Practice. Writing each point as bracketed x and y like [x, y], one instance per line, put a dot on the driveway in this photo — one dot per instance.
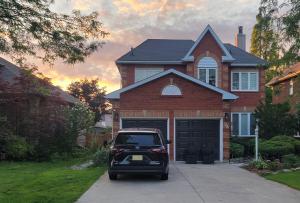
[192, 183]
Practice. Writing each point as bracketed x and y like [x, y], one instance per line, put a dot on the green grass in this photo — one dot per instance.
[44, 182]
[291, 179]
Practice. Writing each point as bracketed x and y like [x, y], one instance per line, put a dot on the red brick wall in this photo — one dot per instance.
[149, 96]
[281, 93]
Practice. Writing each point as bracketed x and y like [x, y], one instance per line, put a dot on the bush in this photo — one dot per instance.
[248, 143]
[101, 157]
[259, 164]
[16, 148]
[297, 148]
[274, 165]
[288, 139]
[272, 149]
[291, 161]
[236, 150]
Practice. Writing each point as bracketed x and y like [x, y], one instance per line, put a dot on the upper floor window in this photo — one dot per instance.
[171, 90]
[143, 73]
[207, 70]
[244, 81]
[291, 90]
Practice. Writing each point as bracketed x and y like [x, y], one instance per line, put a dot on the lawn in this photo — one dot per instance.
[291, 179]
[45, 182]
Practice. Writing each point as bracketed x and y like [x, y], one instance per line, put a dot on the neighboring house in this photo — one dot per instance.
[106, 121]
[19, 100]
[286, 87]
[191, 90]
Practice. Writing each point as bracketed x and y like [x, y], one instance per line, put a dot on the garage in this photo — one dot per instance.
[200, 133]
[161, 124]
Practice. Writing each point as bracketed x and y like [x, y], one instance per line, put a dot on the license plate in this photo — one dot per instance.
[137, 157]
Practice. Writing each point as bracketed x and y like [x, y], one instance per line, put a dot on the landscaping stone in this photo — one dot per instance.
[82, 166]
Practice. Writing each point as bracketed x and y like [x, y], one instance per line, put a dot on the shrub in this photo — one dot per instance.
[291, 161]
[248, 143]
[288, 139]
[259, 164]
[271, 149]
[236, 150]
[101, 157]
[297, 148]
[16, 148]
[274, 165]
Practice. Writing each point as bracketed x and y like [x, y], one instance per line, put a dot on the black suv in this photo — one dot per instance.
[139, 150]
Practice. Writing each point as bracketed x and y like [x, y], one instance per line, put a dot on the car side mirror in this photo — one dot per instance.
[168, 142]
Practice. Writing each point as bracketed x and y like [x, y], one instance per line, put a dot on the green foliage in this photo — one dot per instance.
[272, 149]
[15, 147]
[78, 119]
[89, 92]
[291, 161]
[236, 150]
[248, 143]
[288, 139]
[275, 119]
[259, 164]
[101, 157]
[32, 28]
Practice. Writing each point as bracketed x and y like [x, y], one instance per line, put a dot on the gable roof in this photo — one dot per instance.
[243, 58]
[226, 58]
[158, 50]
[291, 72]
[175, 51]
[225, 95]
[9, 72]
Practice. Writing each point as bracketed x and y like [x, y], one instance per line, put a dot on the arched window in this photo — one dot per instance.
[207, 70]
[171, 90]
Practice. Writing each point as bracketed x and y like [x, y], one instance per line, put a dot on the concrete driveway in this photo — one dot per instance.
[192, 183]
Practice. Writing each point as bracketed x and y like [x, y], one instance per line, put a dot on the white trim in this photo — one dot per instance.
[240, 83]
[221, 150]
[247, 64]
[151, 118]
[207, 74]
[226, 58]
[221, 139]
[226, 95]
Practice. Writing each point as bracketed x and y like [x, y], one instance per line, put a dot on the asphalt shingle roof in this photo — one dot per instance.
[174, 50]
[9, 72]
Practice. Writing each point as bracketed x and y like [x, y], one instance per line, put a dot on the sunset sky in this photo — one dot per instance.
[132, 21]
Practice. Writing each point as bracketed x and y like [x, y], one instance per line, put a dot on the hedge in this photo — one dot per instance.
[236, 150]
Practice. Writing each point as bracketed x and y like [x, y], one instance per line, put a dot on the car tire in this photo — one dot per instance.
[112, 176]
[164, 176]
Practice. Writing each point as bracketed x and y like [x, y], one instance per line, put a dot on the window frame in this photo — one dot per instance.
[161, 69]
[207, 74]
[240, 83]
[291, 88]
[240, 124]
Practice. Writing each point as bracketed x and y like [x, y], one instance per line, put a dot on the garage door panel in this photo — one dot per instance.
[201, 133]
[160, 124]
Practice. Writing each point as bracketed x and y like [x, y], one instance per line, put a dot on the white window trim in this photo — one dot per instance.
[240, 84]
[240, 123]
[207, 74]
[171, 90]
[161, 69]
[291, 89]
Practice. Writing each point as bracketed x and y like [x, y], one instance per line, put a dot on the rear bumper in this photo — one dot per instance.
[138, 169]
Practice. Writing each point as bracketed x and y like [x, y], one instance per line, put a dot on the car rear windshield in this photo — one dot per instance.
[138, 139]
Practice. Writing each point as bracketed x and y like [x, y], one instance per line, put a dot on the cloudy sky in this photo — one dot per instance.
[132, 21]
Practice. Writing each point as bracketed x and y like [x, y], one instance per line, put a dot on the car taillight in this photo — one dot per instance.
[116, 150]
[159, 150]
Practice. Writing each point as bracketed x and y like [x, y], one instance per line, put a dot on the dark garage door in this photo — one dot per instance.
[199, 133]
[147, 123]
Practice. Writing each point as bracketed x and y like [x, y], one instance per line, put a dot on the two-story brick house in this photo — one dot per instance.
[194, 91]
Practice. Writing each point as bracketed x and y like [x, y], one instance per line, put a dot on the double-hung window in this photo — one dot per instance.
[207, 70]
[244, 81]
[243, 124]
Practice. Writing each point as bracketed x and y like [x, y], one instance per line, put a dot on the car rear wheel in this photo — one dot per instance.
[164, 176]
[112, 176]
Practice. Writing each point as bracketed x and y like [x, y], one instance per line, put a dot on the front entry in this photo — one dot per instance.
[199, 133]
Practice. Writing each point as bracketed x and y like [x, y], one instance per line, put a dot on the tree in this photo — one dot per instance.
[89, 92]
[276, 35]
[30, 28]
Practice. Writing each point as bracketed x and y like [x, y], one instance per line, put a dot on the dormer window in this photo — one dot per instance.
[171, 90]
[207, 70]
